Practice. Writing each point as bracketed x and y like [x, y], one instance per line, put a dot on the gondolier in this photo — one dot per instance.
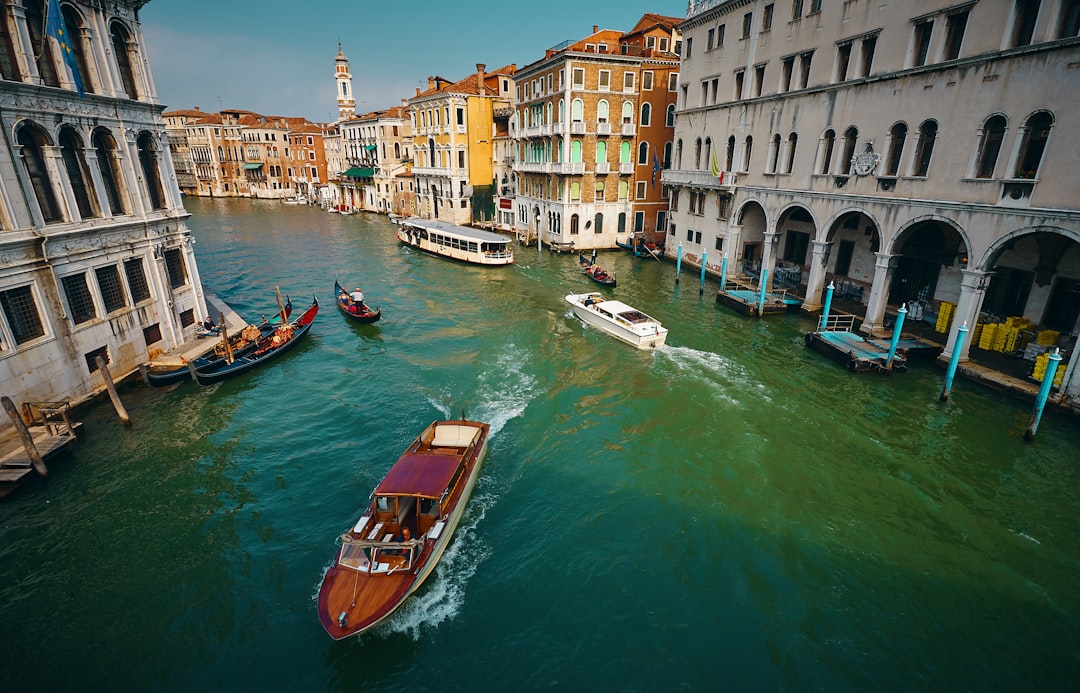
[357, 295]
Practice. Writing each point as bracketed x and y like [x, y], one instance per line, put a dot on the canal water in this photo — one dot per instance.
[731, 512]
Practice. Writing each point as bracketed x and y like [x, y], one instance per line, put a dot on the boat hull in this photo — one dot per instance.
[645, 335]
[353, 600]
[342, 298]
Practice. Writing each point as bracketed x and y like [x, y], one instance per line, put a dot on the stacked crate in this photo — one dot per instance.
[989, 335]
[945, 316]
[1047, 338]
[1039, 373]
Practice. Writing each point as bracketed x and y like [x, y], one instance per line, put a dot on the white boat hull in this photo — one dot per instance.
[642, 333]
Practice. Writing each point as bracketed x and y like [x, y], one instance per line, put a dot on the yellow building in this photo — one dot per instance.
[454, 125]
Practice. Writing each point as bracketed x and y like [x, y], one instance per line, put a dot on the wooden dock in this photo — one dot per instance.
[746, 299]
[49, 432]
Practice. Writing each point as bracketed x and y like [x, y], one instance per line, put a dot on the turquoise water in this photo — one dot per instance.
[732, 512]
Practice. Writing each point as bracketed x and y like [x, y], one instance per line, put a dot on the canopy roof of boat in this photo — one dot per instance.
[453, 229]
[424, 474]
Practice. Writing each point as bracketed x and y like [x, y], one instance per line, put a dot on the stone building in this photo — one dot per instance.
[592, 127]
[910, 154]
[454, 125]
[95, 256]
[378, 147]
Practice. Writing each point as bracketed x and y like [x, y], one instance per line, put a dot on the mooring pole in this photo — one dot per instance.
[111, 387]
[678, 263]
[1044, 392]
[704, 256]
[828, 305]
[961, 332]
[723, 272]
[761, 294]
[900, 315]
[24, 435]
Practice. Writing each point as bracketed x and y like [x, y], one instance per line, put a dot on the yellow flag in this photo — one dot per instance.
[713, 167]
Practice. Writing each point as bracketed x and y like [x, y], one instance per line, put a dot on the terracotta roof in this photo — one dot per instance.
[185, 112]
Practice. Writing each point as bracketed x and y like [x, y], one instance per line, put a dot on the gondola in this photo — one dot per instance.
[277, 342]
[358, 313]
[242, 343]
[596, 273]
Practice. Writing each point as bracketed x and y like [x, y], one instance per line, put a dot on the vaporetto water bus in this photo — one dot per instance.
[456, 242]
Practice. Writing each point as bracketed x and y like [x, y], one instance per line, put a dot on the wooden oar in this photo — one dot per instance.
[281, 306]
[225, 338]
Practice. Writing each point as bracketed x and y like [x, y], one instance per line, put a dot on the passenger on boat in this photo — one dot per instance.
[590, 301]
[207, 323]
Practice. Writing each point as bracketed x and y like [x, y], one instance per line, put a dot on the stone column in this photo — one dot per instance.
[972, 290]
[816, 281]
[768, 257]
[879, 294]
[733, 248]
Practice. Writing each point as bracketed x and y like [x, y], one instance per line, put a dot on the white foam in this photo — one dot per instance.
[722, 375]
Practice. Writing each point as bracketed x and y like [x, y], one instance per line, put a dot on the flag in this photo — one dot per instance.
[655, 169]
[55, 27]
[714, 168]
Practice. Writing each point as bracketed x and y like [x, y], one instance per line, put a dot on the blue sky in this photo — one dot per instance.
[276, 57]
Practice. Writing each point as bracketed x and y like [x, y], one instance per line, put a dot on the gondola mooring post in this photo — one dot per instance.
[961, 332]
[723, 272]
[900, 315]
[704, 255]
[828, 305]
[761, 294]
[1044, 392]
[678, 263]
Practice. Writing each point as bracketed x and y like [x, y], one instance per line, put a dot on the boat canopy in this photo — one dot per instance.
[424, 474]
[438, 226]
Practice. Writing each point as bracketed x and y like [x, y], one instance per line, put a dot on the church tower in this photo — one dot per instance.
[345, 103]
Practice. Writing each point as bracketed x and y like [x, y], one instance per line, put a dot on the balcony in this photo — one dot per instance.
[568, 168]
[726, 180]
[625, 168]
[545, 130]
[577, 128]
[532, 166]
[427, 171]
[603, 167]
[603, 128]
[532, 131]
[629, 130]
[558, 128]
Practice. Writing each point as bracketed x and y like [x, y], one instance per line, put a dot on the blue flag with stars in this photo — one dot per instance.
[55, 27]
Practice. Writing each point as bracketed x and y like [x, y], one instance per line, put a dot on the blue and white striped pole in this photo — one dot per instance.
[900, 315]
[961, 332]
[704, 256]
[828, 305]
[761, 294]
[1044, 393]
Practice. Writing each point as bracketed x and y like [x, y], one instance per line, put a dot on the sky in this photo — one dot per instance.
[276, 57]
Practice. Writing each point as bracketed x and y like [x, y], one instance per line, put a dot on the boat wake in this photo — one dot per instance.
[724, 378]
[504, 391]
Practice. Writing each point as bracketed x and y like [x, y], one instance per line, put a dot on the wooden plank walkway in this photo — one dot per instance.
[15, 464]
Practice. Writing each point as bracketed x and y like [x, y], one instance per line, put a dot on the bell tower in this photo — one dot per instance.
[345, 103]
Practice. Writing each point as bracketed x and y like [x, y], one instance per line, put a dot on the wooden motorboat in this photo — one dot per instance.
[279, 340]
[241, 344]
[596, 273]
[359, 312]
[621, 321]
[404, 529]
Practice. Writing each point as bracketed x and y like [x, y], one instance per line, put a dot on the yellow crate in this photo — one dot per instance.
[1047, 337]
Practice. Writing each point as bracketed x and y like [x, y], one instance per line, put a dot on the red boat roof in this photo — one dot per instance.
[425, 474]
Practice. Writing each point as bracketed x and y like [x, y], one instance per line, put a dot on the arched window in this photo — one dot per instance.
[624, 152]
[678, 154]
[43, 50]
[1036, 132]
[151, 170]
[599, 190]
[666, 163]
[897, 137]
[598, 223]
[431, 153]
[707, 158]
[33, 141]
[121, 40]
[71, 151]
[670, 120]
[990, 139]
[602, 111]
[220, 153]
[792, 143]
[646, 114]
[109, 165]
[601, 151]
[573, 224]
[577, 110]
[643, 153]
[851, 137]
[774, 154]
[562, 110]
[729, 155]
[627, 112]
[697, 154]
[828, 143]
[748, 149]
[925, 149]
[75, 26]
[575, 151]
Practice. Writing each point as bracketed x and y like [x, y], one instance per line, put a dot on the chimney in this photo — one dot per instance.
[595, 28]
[430, 82]
[480, 78]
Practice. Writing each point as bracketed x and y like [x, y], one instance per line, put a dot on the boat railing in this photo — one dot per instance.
[839, 323]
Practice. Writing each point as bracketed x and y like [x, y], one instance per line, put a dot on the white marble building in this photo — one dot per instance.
[95, 257]
[911, 152]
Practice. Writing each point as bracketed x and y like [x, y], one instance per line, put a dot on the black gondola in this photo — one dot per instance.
[596, 273]
[359, 312]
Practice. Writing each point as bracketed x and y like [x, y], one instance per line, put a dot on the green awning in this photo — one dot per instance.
[369, 147]
[357, 172]
[251, 166]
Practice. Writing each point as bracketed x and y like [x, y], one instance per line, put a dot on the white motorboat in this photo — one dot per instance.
[621, 321]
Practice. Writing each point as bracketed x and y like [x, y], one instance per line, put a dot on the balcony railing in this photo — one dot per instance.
[603, 167]
[627, 167]
[577, 128]
[628, 129]
[603, 128]
[725, 180]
